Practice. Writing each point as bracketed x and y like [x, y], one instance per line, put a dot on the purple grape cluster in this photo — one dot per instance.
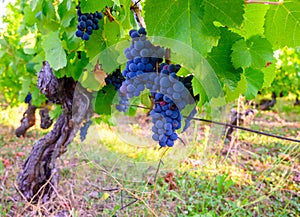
[87, 22]
[116, 79]
[166, 119]
[145, 70]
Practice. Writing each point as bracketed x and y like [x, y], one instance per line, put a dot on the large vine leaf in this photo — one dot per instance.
[269, 74]
[183, 21]
[219, 59]
[88, 6]
[254, 52]
[282, 26]
[228, 13]
[53, 48]
[241, 88]
[96, 43]
[103, 101]
[254, 20]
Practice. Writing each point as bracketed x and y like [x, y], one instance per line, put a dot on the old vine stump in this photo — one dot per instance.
[40, 175]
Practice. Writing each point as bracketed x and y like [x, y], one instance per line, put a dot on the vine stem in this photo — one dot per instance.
[263, 2]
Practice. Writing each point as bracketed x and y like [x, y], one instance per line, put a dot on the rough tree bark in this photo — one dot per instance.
[40, 175]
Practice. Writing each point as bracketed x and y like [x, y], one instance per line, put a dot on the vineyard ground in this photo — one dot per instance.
[255, 176]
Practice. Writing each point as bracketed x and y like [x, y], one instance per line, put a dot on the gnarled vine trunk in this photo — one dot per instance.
[40, 174]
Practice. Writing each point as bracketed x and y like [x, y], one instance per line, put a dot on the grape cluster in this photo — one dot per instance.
[145, 70]
[166, 118]
[87, 22]
[116, 79]
[84, 130]
[28, 98]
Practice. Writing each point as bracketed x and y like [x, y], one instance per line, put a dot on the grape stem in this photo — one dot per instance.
[263, 2]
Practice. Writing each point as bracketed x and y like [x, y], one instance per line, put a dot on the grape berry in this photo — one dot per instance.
[28, 98]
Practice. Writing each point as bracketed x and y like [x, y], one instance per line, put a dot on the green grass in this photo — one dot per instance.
[255, 176]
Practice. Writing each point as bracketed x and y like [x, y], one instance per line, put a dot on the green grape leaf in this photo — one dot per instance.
[70, 42]
[183, 21]
[255, 80]
[240, 89]
[228, 13]
[282, 26]
[117, 2]
[33, 4]
[89, 6]
[29, 16]
[53, 48]
[66, 20]
[269, 74]
[125, 14]
[69, 4]
[198, 89]
[37, 97]
[219, 59]
[96, 43]
[48, 10]
[255, 52]
[26, 82]
[75, 67]
[104, 99]
[254, 20]
[111, 33]
[145, 100]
